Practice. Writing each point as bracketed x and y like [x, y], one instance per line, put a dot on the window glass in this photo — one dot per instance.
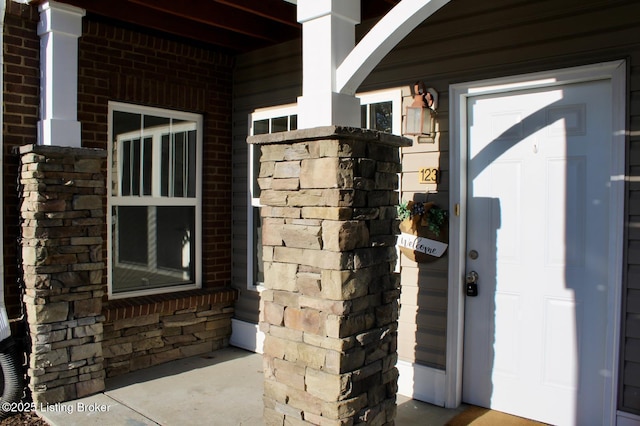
[258, 264]
[154, 200]
[277, 123]
[382, 116]
[378, 116]
[153, 247]
[255, 187]
[175, 229]
[147, 165]
[132, 235]
[124, 171]
[178, 164]
[261, 127]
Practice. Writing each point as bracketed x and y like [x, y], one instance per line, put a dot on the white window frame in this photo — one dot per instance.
[195, 122]
[253, 201]
[392, 95]
[367, 98]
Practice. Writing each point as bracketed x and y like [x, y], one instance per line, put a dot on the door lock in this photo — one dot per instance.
[472, 284]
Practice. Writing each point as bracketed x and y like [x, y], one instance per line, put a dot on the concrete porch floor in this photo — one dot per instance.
[222, 388]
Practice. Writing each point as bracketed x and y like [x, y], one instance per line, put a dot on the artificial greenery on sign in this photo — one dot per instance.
[403, 211]
[436, 217]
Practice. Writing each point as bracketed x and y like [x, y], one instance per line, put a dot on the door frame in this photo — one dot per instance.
[616, 72]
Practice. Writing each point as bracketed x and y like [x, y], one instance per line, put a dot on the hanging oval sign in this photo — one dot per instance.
[420, 242]
[422, 245]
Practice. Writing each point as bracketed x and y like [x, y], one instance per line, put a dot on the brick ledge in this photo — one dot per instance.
[168, 302]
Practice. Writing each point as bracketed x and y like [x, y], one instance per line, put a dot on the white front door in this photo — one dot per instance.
[538, 236]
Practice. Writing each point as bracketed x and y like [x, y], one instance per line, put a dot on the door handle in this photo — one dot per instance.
[472, 283]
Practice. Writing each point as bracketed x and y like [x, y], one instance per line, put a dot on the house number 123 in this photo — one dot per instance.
[428, 175]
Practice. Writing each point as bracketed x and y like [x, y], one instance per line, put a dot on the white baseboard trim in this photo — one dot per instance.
[422, 383]
[627, 419]
[246, 335]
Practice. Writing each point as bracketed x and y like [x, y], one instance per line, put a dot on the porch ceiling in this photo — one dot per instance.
[238, 25]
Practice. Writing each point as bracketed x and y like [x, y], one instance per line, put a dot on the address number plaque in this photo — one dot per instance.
[428, 175]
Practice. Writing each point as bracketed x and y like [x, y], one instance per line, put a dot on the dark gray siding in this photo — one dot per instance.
[471, 40]
[267, 78]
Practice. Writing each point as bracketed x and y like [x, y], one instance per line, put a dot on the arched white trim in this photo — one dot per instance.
[333, 67]
[379, 41]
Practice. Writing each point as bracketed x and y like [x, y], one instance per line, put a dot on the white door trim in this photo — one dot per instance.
[459, 93]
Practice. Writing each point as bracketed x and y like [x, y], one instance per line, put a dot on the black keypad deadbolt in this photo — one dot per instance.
[472, 284]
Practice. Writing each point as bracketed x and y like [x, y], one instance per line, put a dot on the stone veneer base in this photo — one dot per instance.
[62, 219]
[330, 307]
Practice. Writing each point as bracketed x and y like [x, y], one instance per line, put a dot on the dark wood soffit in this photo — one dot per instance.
[238, 25]
[219, 15]
[210, 22]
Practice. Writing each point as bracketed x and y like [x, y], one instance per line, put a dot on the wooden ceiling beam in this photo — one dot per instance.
[122, 10]
[240, 25]
[275, 10]
[222, 16]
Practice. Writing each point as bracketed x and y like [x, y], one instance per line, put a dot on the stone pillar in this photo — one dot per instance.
[62, 217]
[330, 307]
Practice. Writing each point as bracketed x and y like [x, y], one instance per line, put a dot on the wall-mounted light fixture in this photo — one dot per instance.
[420, 116]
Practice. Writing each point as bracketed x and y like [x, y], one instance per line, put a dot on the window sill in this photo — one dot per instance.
[153, 291]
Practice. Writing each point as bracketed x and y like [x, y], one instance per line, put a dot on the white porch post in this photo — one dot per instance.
[59, 28]
[328, 35]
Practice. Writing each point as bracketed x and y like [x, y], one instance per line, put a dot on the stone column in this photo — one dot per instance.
[62, 217]
[330, 307]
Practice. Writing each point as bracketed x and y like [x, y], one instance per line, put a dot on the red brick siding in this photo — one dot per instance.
[21, 112]
[147, 305]
[129, 66]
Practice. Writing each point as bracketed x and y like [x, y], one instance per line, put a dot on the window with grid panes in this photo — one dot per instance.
[154, 173]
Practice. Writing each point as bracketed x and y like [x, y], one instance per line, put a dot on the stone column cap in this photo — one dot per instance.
[54, 150]
[331, 132]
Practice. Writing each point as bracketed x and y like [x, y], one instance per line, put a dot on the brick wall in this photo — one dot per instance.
[144, 332]
[21, 99]
[128, 65]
